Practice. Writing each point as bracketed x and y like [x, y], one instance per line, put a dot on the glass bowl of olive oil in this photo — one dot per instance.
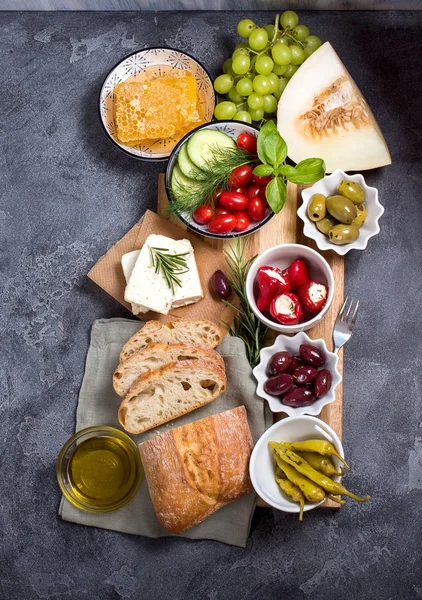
[99, 469]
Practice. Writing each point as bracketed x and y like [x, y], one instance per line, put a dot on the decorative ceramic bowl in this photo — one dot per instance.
[157, 61]
[328, 187]
[291, 345]
[232, 129]
[282, 256]
[262, 464]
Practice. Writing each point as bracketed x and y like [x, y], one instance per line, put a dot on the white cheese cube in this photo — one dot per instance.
[128, 262]
[191, 290]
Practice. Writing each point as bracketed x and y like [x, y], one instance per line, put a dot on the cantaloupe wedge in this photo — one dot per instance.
[323, 114]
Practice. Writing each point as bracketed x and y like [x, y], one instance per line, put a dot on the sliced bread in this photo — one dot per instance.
[155, 356]
[170, 392]
[197, 332]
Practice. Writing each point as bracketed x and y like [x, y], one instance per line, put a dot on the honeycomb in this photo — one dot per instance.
[157, 108]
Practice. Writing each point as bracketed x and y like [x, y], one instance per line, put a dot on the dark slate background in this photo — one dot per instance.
[67, 194]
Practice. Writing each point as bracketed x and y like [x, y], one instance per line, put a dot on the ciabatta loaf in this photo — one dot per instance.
[194, 470]
[183, 331]
[170, 392]
[155, 356]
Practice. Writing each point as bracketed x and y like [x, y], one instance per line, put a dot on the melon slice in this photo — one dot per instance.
[323, 114]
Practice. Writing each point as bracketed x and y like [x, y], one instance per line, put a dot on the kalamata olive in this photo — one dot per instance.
[278, 385]
[304, 374]
[312, 355]
[298, 396]
[220, 285]
[322, 383]
[279, 363]
[295, 362]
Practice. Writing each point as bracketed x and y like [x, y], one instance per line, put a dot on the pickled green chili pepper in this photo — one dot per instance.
[291, 490]
[335, 499]
[319, 446]
[312, 492]
[321, 463]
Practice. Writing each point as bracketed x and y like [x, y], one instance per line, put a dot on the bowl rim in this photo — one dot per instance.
[124, 150]
[290, 328]
[169, 170]
[253, 468]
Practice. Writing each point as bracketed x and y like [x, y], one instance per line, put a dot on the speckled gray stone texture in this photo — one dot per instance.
[67, 194]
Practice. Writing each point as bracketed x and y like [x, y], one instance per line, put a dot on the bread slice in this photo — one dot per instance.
[155, 356]
[183, 331]
[170, 392]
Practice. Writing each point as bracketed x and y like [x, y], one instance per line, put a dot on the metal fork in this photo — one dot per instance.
[346, 321]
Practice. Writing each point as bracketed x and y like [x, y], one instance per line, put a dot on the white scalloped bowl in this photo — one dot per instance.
[328, 186]
[291, 345]
[262, 464]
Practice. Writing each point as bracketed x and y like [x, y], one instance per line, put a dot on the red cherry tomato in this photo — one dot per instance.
[240, 176]
[203, 214]
[222, 224]
[247, 142]
[255, 190]
[233, 200]
[243, 220]
[256, 208]
[241, 189]
[221, 211]
[262, 180]
[298, 274]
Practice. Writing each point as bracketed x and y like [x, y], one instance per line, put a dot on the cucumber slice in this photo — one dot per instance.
[201, 144]
[186, 165]
[179, 180]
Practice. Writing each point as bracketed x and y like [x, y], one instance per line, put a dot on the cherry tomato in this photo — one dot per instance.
[222, 224]
[247, 142]
[221, 211]
[240, 176]
[255, 190]
[256, 208]
[298, 274]
[203, 214]
[233, 200]
[241, 189]
[262, 180]
[243, 220]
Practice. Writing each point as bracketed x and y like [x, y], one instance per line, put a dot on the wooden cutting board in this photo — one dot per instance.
[286, 228]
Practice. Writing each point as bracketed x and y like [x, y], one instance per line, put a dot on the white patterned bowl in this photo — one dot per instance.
[291, 345]
[262, 464]
[158, 61]
[328, 186]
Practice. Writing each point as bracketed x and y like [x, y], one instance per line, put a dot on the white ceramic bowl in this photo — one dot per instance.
[328, 186]
[291, 345]
[262, 463]
[282, 256]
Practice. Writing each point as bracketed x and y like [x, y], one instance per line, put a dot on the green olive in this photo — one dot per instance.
[326, 224]
[317, 208]
[342, 209]
[360, 219]
[352, 190]
[343, 234]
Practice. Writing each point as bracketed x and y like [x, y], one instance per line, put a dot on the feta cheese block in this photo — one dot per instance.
[147, 290]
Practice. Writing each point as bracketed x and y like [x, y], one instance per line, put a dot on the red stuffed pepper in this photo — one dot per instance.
[313, 296]
[271, 282]
[286, 309]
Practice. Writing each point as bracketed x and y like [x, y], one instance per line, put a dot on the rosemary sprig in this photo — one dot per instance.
[246, 325]
[170, 265]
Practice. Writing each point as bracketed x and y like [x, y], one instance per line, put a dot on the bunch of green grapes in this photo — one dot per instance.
[255, 76]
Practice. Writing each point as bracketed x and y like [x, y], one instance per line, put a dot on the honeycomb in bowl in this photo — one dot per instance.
[156, 108]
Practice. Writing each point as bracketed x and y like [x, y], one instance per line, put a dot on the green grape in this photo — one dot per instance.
[258, 39]
[241, 64]
[242, 107]
[291, 70]
[245, 27]
[264, 65]
[270, 103]
[249, 75]
[255, 101]
[261, 84]
[244, 86]
[281, 39]
[225, 111]
[256, 114]
[298, 55]
[301, 32]
[240, 52]
[242, 115]
[289, 19]
[244, 45]
[308, 52]
[270, 30]
[282, 84]
[273, 82]
[234, 96]
[282, 55]
[223, 84]
[312, 42]
[279, 69]
[227, 67]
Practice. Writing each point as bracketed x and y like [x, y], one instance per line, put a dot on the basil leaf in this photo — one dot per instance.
[275, 193]
[272, 149]
[263, 170]
[287, 170]
[308, 171]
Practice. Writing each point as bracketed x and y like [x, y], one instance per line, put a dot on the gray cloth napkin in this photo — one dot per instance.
[98, 404]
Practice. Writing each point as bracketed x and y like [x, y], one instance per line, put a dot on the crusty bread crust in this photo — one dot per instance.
[194, 470]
